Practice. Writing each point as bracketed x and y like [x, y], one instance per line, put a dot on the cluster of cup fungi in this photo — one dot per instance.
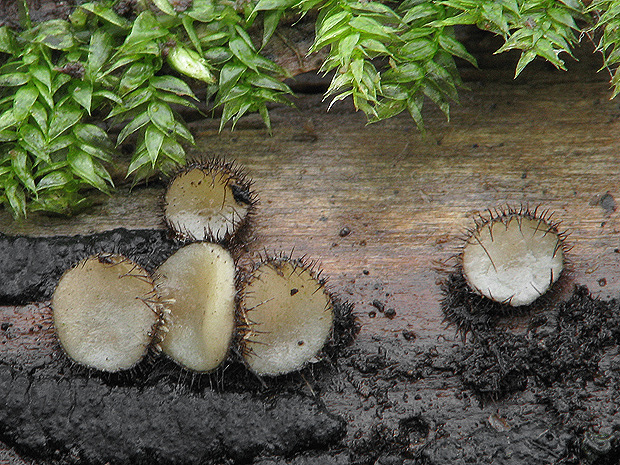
[109, 312]
[509, 260]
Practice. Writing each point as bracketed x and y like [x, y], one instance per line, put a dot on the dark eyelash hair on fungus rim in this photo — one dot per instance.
[209, 200]
[512, 260]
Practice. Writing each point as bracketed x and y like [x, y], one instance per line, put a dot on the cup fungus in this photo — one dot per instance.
[108, 310]
[513, 257]
[208, 201]
[198, 282]
[289, 316]
[105, 312]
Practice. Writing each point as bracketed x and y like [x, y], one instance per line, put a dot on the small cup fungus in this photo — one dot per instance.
[106, 312]
[511, 261]
[289, 316]
[198, 284]
[208, 201]
[513, 257]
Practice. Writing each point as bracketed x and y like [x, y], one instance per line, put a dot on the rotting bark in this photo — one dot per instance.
[502, 397]
[85, 420]
[31, 267]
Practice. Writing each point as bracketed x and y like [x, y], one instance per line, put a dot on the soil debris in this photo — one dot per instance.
[567, 348]
[390, 313]
[344, 232]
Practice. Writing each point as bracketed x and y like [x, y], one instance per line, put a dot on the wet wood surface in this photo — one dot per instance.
[548, 138]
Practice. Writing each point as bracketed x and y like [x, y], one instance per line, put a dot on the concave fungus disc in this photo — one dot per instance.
[289, 316]
[105, 312]
[513, 259]
[207, 202]
[198, 284]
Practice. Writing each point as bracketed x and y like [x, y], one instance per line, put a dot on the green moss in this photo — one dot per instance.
[59, 79]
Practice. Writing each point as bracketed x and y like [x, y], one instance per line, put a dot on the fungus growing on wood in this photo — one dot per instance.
[514, 256]
[511, 262]
[105, 312]
[208, 201]
[198, 284]
[288, 315]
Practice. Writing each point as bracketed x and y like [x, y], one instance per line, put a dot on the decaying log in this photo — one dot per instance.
[410, 390]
